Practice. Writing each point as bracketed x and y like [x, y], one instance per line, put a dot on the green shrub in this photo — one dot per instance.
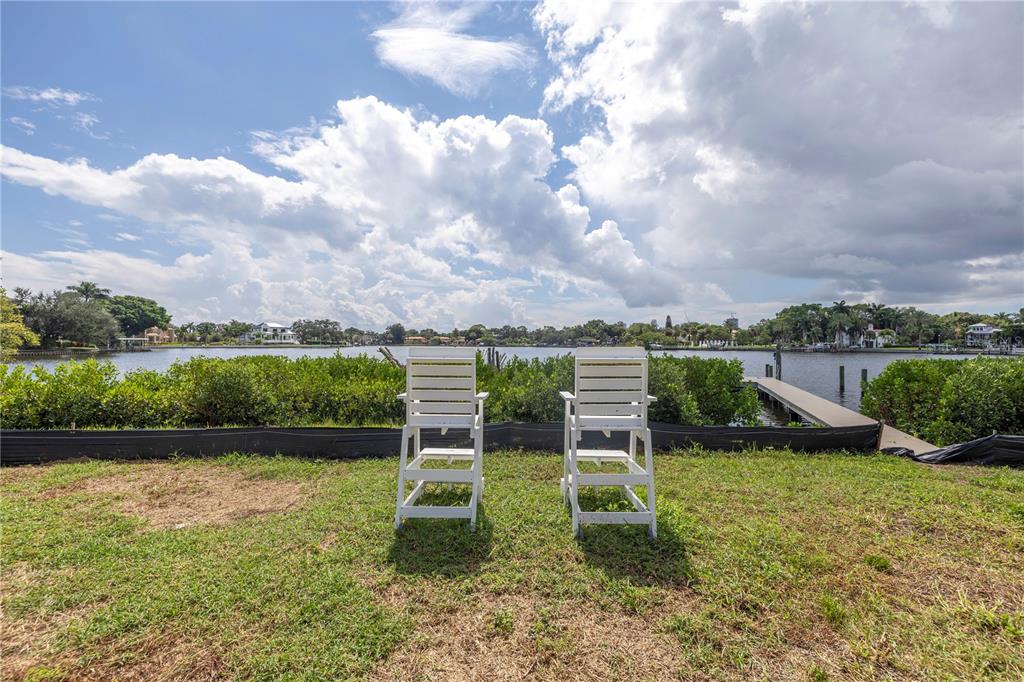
[20, 395]
[948, 401]
[986, 396]
[906, 393]
[69, 397]
[715, 386]
[138, 401]
[267, 389]
[217, 392]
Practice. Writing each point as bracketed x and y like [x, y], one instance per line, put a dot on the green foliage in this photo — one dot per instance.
[986, 396]
[701, 391]
[906, 393]
[136, 314]
[65, 317]
[13, 332]
[948, 401]
[268, 389]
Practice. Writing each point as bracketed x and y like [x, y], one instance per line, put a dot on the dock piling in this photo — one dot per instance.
[768, 371]
[863, 377]
[842, 378]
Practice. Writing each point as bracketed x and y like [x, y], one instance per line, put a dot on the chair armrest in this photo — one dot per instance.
[403, 396]
[566, 395]
[482, 395]
[652, 398]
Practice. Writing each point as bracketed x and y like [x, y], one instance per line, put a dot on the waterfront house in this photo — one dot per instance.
[268, 332]
[416, 340]
[980, 335]
[879, 338]
[156, 335]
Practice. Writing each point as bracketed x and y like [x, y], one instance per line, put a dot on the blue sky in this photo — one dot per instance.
[533, 164]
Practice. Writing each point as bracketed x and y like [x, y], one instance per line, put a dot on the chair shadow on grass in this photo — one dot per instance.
[626, 551]
[442, 547]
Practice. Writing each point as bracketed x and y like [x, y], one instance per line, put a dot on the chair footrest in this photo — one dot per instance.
[613, 479]
[615, 517]
[439, 475]
[437, 512]
[457, 453]
[603, 455]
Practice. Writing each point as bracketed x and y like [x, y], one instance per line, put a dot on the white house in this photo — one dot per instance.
[268, 332]
[980, 334]
[879, 338]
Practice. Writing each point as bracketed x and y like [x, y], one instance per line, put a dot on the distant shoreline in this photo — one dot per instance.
[83, 354]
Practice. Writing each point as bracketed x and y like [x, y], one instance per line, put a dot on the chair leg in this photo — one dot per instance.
[649, 465]
[401, 477]
[478, 465]
[564, 483]
[574, 485]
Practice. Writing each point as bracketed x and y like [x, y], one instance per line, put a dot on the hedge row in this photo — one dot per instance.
[949, 401]
[341, 391]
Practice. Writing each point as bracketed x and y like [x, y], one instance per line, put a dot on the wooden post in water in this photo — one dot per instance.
[778, 361]
[768, 371]
[842, 378]
[863, 377]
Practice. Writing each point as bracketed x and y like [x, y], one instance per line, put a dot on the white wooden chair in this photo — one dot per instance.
[440, 393]
[611, 395]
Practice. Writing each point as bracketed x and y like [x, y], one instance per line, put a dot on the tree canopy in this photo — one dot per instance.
[136, 314]
[13, 332]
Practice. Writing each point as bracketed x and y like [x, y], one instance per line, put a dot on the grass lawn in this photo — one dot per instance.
[768, 565]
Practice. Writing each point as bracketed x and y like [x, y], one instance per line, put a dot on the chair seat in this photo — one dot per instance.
[610, 423]
[444, 421]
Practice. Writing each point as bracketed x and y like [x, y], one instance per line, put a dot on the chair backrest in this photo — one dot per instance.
[441, 386]
[611, 382]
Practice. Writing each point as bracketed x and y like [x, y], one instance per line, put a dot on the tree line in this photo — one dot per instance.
[81, 315]
[87, 314]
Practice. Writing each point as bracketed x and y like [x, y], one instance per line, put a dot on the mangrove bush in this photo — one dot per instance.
[949, 401]
[341, 391]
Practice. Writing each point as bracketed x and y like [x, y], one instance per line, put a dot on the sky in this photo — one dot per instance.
[529, 164]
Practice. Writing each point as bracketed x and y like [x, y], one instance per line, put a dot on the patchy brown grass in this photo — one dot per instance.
[179, 497]
[517, 637]
[768, 566]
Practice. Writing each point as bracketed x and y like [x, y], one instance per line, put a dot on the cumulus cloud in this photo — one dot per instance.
[51, 96]
[428, 40]
[382, 216]
[871, 150]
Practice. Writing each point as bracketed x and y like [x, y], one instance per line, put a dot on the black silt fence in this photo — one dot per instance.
[35, 447]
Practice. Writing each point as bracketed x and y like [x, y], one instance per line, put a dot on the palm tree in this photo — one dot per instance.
[838, 318]
[90, 291]
[878, 313]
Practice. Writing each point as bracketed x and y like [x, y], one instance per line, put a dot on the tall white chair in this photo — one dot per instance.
[440, 393]
[611, 395]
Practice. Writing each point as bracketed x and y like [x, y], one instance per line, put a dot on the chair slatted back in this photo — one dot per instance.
[611, 382]
[441, 387]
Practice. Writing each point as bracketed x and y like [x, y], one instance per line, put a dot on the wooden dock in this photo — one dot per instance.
[820, 411]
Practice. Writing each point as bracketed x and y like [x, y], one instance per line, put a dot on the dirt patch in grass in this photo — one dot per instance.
[160, 657]
[179, 497]
[513, 637]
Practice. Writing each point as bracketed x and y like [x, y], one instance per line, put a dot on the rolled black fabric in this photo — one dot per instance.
[994, 450]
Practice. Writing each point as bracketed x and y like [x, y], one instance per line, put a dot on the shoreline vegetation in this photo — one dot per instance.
[939, 400]
[274, 390]
[88, 315]
[949, 401]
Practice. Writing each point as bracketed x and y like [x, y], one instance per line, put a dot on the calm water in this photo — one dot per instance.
[814, 372]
